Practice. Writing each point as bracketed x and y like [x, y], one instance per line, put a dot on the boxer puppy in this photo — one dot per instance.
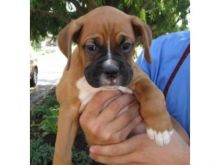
[102, 60]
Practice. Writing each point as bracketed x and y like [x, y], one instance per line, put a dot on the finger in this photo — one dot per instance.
[118, 149]
[123, 134]
[112, 110]
[111, 136]
[123, 120]
[94, 107]
[125, 159]
[126, 152]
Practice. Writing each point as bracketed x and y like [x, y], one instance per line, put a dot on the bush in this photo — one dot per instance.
[49, 122]
[41, 153]
[43, 133]
[81, 157]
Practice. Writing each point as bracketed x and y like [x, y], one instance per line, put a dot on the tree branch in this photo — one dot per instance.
[178, 19]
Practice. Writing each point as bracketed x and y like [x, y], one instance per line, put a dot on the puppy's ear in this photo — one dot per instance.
[142, 31]
[70, 33]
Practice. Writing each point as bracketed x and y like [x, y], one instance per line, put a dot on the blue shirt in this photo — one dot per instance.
[166, 52]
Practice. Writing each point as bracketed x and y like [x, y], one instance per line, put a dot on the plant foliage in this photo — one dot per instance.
[41, 153]
[48, 17]
[43, 133]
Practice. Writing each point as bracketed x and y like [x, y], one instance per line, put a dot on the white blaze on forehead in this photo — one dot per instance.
[109, 61]
[109, 49]
[86, 92]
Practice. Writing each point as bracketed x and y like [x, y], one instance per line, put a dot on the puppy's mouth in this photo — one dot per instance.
[105, 81]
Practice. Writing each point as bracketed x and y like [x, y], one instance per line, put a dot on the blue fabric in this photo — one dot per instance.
[166, 51]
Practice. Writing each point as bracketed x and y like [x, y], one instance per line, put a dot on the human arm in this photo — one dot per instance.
[100, 128]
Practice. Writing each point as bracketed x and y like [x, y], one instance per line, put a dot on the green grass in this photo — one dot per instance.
[43, 133]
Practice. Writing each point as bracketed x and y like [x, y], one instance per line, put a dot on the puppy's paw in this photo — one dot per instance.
[161, 138]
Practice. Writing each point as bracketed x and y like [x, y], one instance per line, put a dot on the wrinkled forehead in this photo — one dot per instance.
[107, 27]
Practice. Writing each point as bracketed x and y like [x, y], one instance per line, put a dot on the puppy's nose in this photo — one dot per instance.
[110, 70]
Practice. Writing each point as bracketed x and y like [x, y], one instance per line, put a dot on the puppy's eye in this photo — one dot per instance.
[91, 48]
[126, 47]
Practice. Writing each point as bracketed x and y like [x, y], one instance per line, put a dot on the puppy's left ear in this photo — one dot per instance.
[142, 31]
[70, 33]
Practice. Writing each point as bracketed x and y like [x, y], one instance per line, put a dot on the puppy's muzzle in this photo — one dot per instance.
[108, 72]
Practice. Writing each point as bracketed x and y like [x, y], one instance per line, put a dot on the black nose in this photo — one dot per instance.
[110, 70]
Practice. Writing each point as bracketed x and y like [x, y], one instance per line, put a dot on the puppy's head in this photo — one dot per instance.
[105, 38]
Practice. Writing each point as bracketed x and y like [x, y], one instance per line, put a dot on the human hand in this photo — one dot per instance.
[110, 117]
[140, 150]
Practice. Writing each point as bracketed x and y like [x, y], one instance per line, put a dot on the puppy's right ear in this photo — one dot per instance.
[70, 33]
[142, 31]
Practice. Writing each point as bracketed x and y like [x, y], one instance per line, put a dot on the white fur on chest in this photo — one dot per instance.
[86, 91]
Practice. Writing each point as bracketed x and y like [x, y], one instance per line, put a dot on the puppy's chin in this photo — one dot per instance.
[103, 82]
[109, 82]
